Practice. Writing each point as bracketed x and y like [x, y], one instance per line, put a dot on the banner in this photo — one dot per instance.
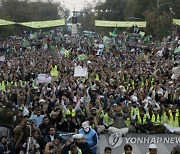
[44, 24]
[79, 71]
[176, 22]
[5, 22]
[43, 78]
[104, 23]
[36, 24]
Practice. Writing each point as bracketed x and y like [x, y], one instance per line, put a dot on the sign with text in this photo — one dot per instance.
[79, 71]
[44, 78]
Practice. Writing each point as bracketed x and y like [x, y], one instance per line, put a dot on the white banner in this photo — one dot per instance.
[44, 78]
[79, 71]
[2, 58]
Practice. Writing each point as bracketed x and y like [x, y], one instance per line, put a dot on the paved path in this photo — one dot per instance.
[141, 148]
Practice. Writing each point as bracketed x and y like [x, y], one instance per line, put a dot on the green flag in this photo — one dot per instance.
[53, 48]
[147, 39]
[177, 50]
[82, 57]
[113, 34]
[32, 36]
[25, 43]
[142, 33]
[106, 42]
[62, 50]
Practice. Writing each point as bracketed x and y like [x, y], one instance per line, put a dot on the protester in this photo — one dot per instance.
[128, 86]
[5, 147]
[107, 150]
[176, 150]
[90, 136]
[152, 149]
[128, 149]
[80, 142]
[54, 146]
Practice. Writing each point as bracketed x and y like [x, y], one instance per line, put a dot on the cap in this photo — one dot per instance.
[152, 146]
[134, 98]
[160, 92]
[114, 104]
[93, 108]
[85, 124]
[78, 136]
[42, 100]
[170, 82]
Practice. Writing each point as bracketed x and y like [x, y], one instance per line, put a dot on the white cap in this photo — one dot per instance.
[121, 86]
[115, 104]
[149, 98]
[124, 90]
[85, 124]
[78, 136]
[160, 92]
[170, 82]
[89, 62]
[134, 98]
[152, 146]
[42, 100]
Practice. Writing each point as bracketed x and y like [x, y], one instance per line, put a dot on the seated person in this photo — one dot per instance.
[67, 125]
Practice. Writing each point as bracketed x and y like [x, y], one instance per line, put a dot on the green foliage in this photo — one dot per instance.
[159, 21]
[25, 11]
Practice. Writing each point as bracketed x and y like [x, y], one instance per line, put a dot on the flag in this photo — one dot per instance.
[25, 44]
[147, 39]
[53, 48]
[62, 37]
[142, 33]
[62, 50]
[113, 34]
[177, 50]
[106, 42]
[66, 53]
[82, 57]
[32, 36]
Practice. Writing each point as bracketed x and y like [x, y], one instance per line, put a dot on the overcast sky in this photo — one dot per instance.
[79, 4]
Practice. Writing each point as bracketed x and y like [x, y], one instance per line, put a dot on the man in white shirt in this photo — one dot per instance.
[38, 117]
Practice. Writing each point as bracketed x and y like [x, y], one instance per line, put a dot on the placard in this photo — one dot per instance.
[79, 71]
[43, 78]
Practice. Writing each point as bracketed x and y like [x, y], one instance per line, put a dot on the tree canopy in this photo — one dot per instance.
[26, 11]
[157, 15]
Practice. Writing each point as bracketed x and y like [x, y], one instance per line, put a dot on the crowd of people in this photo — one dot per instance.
[129, 88]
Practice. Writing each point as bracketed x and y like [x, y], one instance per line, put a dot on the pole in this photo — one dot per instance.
[157, 8]
[157, 17]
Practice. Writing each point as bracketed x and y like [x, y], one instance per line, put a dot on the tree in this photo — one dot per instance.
[26, 11]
